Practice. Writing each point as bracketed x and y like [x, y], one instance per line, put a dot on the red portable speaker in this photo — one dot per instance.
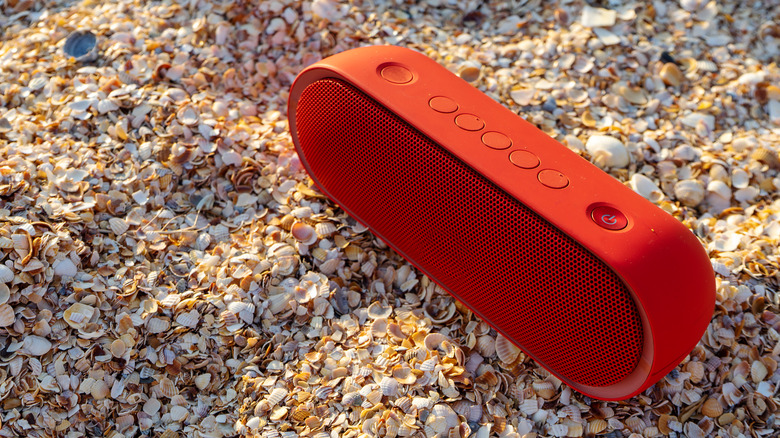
[599, 286]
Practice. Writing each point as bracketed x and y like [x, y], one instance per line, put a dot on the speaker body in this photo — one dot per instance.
[598, 285]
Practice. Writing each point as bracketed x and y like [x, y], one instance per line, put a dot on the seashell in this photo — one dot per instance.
[507, 352]
[689, 192]
[607, 151]
[203, 241]
[559, 430]
[379, 328]
[6, 274]
[328, 267]
[152, 406]
[372, 399]
[671, 74]
[433, 340]
[65, 268]
[712, 408]
[740, 178]
[486, 346]
[692, 430]
[187, 115]
[688, 65]
[646, 188]
[597, 17]
[202, 381]
[118, 348]
[421, 402]
[189, 319]
[767, 157]
[276, 395]
[324, 229]
[756, 404]
[118, 226]
[353, 252]
[352, 399]
[303, 232]
[731, 395]
[696, 370]
[596, 426]
[572, 412]
[447, 413]
[469, 71]
[544, 389]
[167, 388]
[178, 413]
[157, 325]
[7, 316]
[388, 386]
[633, 95]
[376, 310]
[99, 390]
[429, 364]
[368, 268]
[81, 45]
[78, 315]
[403, 374]
[758, 371]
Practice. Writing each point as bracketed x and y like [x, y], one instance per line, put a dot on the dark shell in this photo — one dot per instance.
[81, 45]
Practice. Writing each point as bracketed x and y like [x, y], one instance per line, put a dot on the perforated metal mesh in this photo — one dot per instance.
[549, 295]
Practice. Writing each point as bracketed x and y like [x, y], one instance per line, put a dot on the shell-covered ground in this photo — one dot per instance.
[168, 268]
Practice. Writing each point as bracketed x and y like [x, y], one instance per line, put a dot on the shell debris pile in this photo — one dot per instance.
[168, 269]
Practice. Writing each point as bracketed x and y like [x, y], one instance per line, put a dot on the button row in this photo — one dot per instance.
[495, 140]
[604, 216]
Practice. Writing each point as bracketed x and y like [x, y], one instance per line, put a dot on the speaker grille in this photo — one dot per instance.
[551, 296]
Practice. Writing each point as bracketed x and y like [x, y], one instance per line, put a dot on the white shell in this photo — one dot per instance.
[747, 194]
[178, 413]
[36, 345]
[646, 187]
[65, 268]
[157, 325]
[719, 188]
[689, 192]
[6, 274]
[189, 319]
[152, 406]
[607, 150]
[118, 225]
[276, 395]
[740, 179]
[389, 386]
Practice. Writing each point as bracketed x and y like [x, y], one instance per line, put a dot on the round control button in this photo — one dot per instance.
[524, 159]
[396, 74]
[553, 179]
[443, 104]
[469, 122]
[496, 140]
[609, 218]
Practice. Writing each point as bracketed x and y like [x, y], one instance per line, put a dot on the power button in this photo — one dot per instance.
[609, 218]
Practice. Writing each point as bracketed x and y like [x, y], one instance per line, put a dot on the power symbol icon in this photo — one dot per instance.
[609, 219]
